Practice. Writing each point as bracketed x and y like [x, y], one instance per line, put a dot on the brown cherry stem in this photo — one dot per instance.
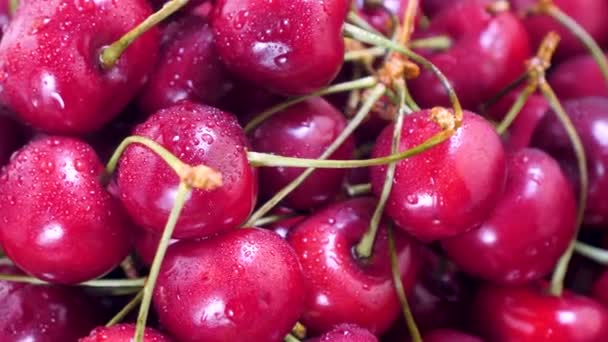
[129, 268]
[126, 309]
[299, 330]
[111, 54]
[596, 254]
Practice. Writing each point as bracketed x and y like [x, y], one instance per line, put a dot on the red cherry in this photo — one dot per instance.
[305, 130]
[517, 249]
[196, 134]
[188, 68]
[342, 288]
[284, 226]
[10, 138]
[43, 313]
[146, 244]
[600, 288]
[288, 46]
[123, 333]
[494, 45]
[566, 78]
[52, 201]
[346, 333]
[448, 189]
[60, 86]
[526, 313]
[432, 7]
[448, 335]
[589, 118]
[246, 283]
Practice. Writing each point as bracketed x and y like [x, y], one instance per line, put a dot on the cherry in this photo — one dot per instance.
[288, 46]
[244, 283]
[146, 244]
[196, 134]
[43, 313]
[517, 249]
[589, 118]
[304, 130]
[432, 7]
[495, 45]
[188, 68]
[522, 128]
[443, 191]
[283, 227]
[10, 137]
[587, 13]
[340, 287]
[579, 76]
[52, 201]
[526, 313]
[379, 16]
[600, 288]
[60, 87]
[346, 333]
[448, 335]
[123, 333]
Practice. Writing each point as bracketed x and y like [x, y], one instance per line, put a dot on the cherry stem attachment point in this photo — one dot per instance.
[110, 55]
[126, 309]
[291, 338]
[596, 254]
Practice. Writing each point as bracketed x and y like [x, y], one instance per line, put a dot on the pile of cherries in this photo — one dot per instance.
[335, 170]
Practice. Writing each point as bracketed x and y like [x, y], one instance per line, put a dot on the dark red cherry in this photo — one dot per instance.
[188, 68]
[448, 189]
[432, 7]
[517, 249]
[380, 15]
[346, 333]
[495, 46]
[305, 130]
[123, 333]
[60, 86]
[448, 335]
[44, 313]
[340, 287]
[146, 244]
[196, 134]
[528, 313]
[587, 13]
[600, 288]
[52, 201]
[288, 46]
[10, 137]
[244, 283]
[589, 118]
[284, 226]
[522, 128]
[579, 76]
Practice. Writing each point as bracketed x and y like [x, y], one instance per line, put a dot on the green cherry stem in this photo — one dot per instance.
[12, 7]
[358, 189]
[111, 54]
[405, 307]
[362, 83]
[596, 254]
[504, 91]
[126, 309]
[364, 53]
[260, 158]
[181, 196]
[409, 100]
[100, 283]
[519, 103]
[557, 281]
[438, 43]
[291, 338]
[264, 221]
[356, 19]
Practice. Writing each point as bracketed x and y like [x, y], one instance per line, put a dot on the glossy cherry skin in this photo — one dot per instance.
[52, 201]
[60, 86]
[448, 335]
[288, 46]
[346, 333]
[304, 130]
[10, 137]
[146, 244]
[600, 288]
[587, 13]
[528, 313]
[579, 76]
[188, 68]
[519, 134]
[589, 118]
[340, 287]
[196, 134]
[379, 17]
[284, 226]
[244, 283]
[494, 45]
[123, 333]
[444, 191]
[44, 313]
[517, 249]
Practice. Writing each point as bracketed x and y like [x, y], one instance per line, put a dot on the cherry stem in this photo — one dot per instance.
[358, 189]
[376, 40]
[405, 307]
[12, 7]
[557, 281]
[181, 196]
[128, 267]
[354, 55]
[367, 106]
[515, 109]
[409, 21]
[299, 330]
[440, 42]
[111, 54]
[362, 83]
[264, 221]
[126, 309]
[356, 19]
[504, 91]
[596, 254]
[99, 283]
[409, 100]
[365, 246]
[291, 338]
